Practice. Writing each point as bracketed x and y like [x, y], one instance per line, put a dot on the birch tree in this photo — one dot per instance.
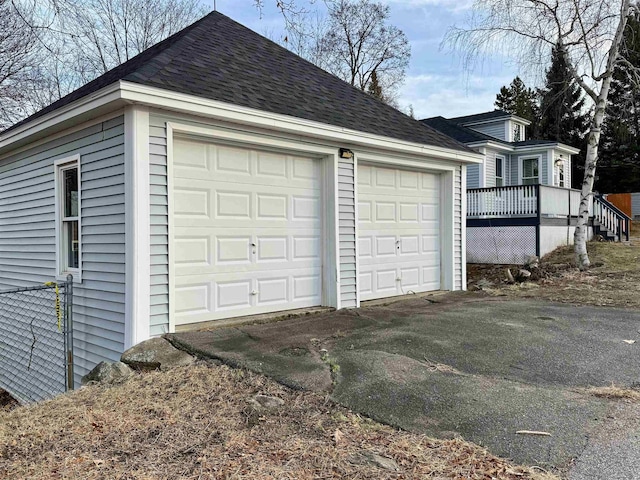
[588, 34]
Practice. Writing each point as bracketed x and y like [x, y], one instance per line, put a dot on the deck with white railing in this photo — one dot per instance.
[522, 201]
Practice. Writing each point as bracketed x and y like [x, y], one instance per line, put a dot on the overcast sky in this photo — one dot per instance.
[436, 83]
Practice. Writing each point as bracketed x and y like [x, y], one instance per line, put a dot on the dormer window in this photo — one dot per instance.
[518, 132]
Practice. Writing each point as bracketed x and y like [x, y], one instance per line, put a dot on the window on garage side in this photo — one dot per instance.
[68, 217]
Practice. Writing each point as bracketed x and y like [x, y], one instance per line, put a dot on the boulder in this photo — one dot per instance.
[154, 354]
[108, 372]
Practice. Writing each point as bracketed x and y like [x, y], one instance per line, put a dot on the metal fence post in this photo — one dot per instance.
[68, 327]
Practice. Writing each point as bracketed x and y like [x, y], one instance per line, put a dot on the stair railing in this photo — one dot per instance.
[611, 217]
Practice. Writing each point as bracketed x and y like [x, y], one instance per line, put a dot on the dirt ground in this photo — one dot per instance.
[612, 280]
[197, 422]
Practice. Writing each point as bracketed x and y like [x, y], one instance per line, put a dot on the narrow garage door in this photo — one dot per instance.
[247, 230]
[399, 248]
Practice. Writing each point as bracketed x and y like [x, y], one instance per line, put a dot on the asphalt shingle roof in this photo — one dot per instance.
[453, 130]
[219, 59]
[478, 117]
[467, 135]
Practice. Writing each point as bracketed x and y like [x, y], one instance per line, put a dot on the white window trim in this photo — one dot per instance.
[521, 159]
[59, 166]
[504, 162]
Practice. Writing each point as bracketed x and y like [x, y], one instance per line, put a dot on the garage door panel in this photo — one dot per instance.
[399, 231]
[247, 231]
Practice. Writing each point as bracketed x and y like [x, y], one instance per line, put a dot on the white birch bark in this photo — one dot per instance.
[580, 236]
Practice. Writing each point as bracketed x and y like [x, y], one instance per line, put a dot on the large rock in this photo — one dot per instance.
[155, 354]
[108, 372]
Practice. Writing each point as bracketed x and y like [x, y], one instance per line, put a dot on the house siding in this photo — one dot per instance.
[27, 233]
[159, 227]
[495, 129]
[473, 176]
[635, 204]
[457, 228]
[490, 169]
[347, 233]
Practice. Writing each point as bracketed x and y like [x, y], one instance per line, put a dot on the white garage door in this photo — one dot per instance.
[399, 244]
[247, 229]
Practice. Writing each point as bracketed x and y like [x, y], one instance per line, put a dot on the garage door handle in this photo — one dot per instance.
[254, 292]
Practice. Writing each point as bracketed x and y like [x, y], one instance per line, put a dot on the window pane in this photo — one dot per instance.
[529, 181]
[498, 167]
[499, 182]
[70, 184]
[72, 244]
[530, 168]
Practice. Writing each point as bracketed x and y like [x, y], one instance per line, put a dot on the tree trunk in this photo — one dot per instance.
[586, 193]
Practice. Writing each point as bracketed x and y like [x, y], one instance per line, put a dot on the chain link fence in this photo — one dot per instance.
[36, 344]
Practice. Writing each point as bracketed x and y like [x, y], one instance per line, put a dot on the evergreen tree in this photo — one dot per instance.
[563, 117]
[562, 107]
[374, 87]
[619, 164]
[520, 100]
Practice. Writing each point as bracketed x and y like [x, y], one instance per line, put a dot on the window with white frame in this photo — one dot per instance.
[68, 216]
[499, 171]
[518, 134]
[530, 172]
[558, 173]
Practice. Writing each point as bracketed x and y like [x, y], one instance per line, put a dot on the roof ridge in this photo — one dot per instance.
[217, 58]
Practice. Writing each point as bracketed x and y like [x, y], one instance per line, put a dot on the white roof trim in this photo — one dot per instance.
[524, 148]
[497, 119]
[85, 104]
[161, 98]
[192, 104]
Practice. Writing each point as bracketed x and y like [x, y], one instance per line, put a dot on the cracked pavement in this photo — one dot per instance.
[468, 365]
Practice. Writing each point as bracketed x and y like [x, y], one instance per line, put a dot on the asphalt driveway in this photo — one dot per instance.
[468, 365]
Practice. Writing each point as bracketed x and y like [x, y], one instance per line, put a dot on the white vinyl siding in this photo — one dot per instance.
[458, 226]
[489, 169]
[27, 233]
[493, 129]
[159, 218]
[473, 176]
[347, 232]
[635, 204]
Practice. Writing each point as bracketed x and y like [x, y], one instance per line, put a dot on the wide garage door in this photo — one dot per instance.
[399, 219]
[247, 226]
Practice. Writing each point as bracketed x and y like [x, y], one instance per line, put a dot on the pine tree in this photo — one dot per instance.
[562, 107]
[619, 164]
[520, 100]
[374, 87]
[563, 115]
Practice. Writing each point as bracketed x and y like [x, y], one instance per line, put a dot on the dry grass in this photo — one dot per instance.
[613, 279]
[196, 423]
[615, 393]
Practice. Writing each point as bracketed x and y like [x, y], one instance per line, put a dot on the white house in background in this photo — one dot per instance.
[218, 175]
[519, 200]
